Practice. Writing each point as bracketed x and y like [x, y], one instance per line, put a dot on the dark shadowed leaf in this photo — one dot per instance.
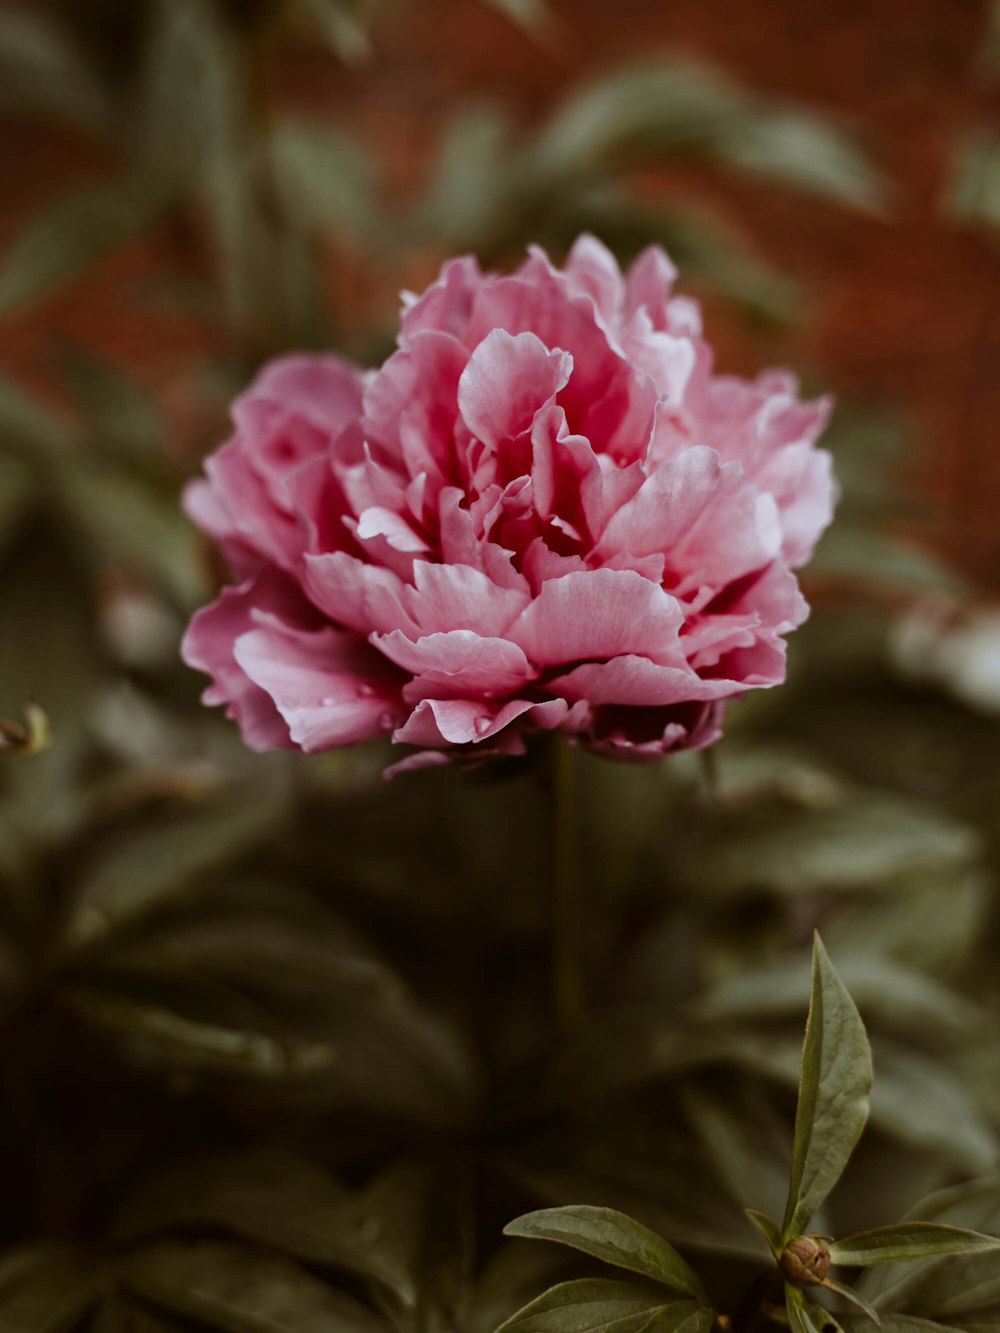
[117, 1314]
[281, 1200]
[242, 1290]
[833, 1094]
[745, 1140]
[609, 1235]
[45, 1290]
[149, 865]
[429, 1205]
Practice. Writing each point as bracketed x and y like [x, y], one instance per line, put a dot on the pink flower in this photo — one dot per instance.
[543, 512]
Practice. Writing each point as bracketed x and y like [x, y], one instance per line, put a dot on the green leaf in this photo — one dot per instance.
[908, 1240]
[835, 1080]
[45, 1290]
[849, 1294]
[609, 1235]
[597, 1306]
[893, 1323]
[768, 1229]
[804, 1316]
[242, 1290]
[951, 1288]
[69, 238]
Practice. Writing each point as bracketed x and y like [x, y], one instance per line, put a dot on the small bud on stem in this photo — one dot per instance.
[806, 1261]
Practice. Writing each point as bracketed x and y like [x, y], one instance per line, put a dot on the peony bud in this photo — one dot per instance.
[806, 1261]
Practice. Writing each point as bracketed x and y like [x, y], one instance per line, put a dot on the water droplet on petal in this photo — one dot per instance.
[387, 722]
[483, 724]
[366, 691]
[328, 701]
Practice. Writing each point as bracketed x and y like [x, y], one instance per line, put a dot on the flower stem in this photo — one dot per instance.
[567, 978]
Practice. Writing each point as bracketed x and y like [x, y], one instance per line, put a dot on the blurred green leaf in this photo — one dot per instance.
[324, 180]
[906, 1241]
[42, 71]
[607, 1234]
[430, 1203]
[342, 23]
[888, 993]
[532, 15]
[833, 1094]
[279, 1200]
[744, 1139]
[152, 1034]
[877, 560]
[869, 841]
[922, 1102]
[131, 525]
[145, 866]
[122, 419]
[242, 1290]
[116, 1314]
[70, 236]
[974, 193]
[798, 149]
[45, 1289]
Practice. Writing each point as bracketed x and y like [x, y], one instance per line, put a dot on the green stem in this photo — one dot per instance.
[567, 942]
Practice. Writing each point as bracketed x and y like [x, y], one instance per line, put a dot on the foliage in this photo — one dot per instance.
[277, 1043]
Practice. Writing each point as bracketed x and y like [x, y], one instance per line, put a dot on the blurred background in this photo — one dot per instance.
[234, 960]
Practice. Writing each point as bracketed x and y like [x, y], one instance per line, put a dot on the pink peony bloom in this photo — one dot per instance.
[543, 512]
